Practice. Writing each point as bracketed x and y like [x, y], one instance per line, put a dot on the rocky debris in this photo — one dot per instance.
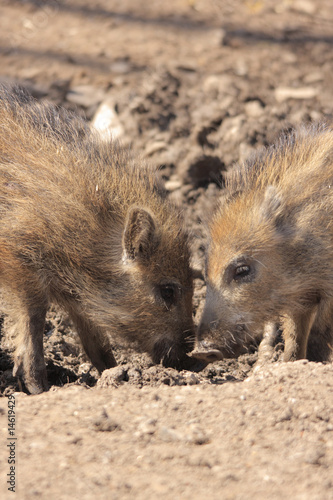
[306, 6]
[106, 121]
[113, 377]
[284, 93]
[254, 108]
[103, 423]
[192, 434]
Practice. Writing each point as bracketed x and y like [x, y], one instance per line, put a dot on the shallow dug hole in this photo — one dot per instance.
[67, 364]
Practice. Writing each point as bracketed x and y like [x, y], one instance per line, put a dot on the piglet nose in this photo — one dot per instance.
[206, 352]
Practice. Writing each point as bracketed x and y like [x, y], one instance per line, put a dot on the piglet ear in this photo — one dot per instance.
[271, 206]
[273, 210]
[140, 237]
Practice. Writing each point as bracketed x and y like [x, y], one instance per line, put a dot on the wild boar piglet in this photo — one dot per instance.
[86, 225]
[270, 252]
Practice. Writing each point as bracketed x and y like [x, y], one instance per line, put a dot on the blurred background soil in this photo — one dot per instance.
[193, 86]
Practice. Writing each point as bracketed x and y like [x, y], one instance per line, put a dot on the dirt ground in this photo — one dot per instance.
[193, 86]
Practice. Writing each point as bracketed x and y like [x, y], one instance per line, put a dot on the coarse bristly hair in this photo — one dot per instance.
[271, 254]
[86, 224]
[285, 187]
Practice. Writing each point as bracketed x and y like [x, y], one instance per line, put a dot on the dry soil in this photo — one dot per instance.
[194, 86]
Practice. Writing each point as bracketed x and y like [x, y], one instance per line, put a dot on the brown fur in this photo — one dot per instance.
[270, 256]
[83, 224]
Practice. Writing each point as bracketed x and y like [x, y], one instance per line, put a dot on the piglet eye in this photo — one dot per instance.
[242, 273]
[169, 294]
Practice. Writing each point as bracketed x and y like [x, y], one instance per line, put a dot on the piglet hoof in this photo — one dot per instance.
[35, 386]
[266, 348]
[31, 384]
